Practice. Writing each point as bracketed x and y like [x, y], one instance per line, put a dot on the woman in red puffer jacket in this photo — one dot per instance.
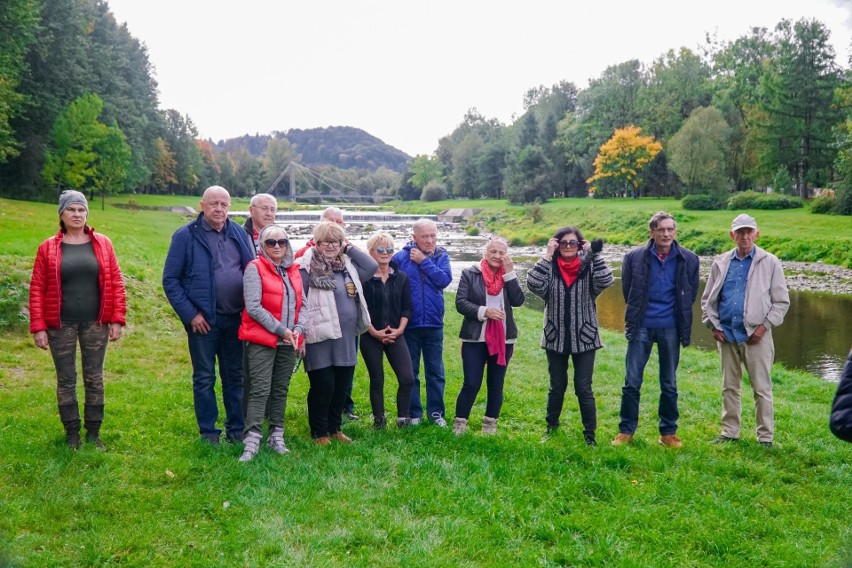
[77, 295]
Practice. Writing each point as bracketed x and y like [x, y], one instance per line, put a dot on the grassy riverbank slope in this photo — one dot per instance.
[792, 234]
[421, 496]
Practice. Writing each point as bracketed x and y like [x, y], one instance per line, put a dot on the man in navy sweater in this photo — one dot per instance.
[660, 283]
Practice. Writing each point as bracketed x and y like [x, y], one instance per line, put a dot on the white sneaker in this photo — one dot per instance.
[415, 422]
[438, 420]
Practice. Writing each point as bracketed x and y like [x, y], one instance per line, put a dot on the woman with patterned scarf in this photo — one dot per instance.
[569, 278]
[486, 294]
[335, 315]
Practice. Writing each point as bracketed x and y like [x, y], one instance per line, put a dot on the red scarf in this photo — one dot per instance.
[495, 334]
[569, 269]
[493, 280]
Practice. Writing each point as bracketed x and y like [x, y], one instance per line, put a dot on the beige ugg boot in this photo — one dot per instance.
[459, 426]
[489, 425]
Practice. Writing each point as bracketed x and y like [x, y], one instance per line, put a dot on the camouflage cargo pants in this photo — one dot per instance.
[93, 338]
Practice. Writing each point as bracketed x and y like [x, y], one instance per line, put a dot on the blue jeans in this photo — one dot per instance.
[638, 353]
[221, 343]
[428, 341]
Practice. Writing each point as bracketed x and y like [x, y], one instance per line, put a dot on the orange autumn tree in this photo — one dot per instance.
[621, 161]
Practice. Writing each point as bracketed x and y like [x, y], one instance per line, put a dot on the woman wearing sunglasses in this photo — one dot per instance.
[388, 295]
[333, 273]
[569, 278]
[272, 289]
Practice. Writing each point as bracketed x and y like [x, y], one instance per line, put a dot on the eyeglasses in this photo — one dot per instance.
[272, 242]
[383, 250]
[329, 243]
[569, 244]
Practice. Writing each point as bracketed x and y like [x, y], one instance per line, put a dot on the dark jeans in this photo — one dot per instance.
[638, 352]
[267, 380]
[475, 359]
[428, 342]
[557, 366]
[220, 343]
[326, 399]
[400, 361]
[93, 339]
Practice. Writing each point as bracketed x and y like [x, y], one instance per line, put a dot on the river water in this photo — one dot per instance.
[816, 335]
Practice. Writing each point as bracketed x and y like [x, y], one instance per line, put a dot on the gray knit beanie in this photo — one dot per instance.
[70, 197]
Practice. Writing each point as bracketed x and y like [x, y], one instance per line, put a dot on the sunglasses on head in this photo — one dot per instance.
[569, 244]
[383, 250]
[272, 242]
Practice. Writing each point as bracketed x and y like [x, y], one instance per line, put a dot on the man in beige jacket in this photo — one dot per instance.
[745, 297]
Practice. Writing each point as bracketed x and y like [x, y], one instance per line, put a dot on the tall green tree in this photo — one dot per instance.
[71, 158]
[424, 169]
[677, 83]
[112, 165]
[18, 21]
[86, 154]
[799, 95]
[466, 155]
[698, 150]
[278, 155]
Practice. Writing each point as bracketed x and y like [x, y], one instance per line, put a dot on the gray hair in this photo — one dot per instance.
[420, 223]
[659, 216]
[260, 197]
[331, 211]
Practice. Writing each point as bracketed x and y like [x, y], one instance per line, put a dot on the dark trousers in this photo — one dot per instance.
[584, 365]
[349, 404]
[372, 350]
[475, 359]
[326, 398]
[220, 343]
[638, 353]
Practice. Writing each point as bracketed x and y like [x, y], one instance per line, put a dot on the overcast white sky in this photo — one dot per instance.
[405, 71]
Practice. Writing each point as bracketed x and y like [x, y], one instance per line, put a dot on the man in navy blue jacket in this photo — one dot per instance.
[660, 283]
[203, 280]
[428, 269]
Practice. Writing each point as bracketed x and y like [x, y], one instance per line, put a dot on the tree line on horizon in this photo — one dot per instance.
[770, 109]
[79, 109]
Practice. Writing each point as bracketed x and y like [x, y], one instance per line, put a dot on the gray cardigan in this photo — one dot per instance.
[570, 313]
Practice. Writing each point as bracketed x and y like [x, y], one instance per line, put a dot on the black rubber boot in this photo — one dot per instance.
[69, 414]
[93, 418]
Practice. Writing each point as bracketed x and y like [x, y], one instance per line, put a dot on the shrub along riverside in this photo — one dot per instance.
[420, 496]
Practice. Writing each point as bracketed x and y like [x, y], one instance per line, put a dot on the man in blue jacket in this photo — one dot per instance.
[203, 280]
[428, 269]
[660, 283]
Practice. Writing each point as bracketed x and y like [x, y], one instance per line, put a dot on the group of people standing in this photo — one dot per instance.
[256, 309]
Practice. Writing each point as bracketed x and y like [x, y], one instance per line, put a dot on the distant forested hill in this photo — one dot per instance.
[339, 146]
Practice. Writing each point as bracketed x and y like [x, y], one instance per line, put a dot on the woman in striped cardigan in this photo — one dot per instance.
[569, 278]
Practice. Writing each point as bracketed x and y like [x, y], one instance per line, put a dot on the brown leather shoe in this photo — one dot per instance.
[341, 437]
[622, 439]
[322, 441]
[671, 440]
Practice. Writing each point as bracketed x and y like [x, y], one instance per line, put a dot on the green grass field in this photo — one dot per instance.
[158, 497]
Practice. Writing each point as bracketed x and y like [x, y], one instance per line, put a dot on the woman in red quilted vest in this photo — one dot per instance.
[77, 296]
[272, 289]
